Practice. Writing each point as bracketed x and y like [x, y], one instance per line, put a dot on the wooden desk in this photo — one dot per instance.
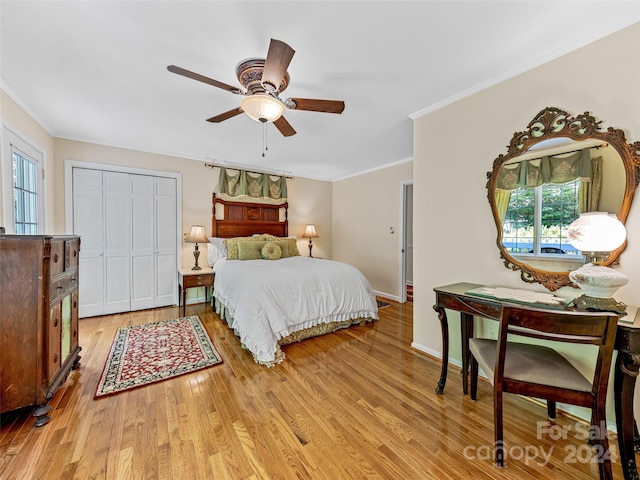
[627, 366]
[188, 278]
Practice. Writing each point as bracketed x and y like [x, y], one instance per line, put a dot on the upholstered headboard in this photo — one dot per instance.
[242, 219]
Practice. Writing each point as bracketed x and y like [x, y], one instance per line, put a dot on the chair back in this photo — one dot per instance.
[591, 328]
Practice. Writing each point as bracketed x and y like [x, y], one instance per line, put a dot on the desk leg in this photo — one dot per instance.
[626, 372]
[442, 316]
[466, 330]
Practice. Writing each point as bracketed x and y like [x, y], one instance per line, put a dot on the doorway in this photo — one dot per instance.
[406, 250]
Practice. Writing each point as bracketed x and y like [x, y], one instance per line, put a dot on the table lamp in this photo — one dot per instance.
[197, 235]
[310, 232]
[596, 234]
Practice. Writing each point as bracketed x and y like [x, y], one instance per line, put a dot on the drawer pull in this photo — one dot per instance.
[59, 287]
[55, 322]
[55, 258]
[55, 357]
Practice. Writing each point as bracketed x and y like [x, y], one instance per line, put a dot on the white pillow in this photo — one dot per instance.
[217, 250]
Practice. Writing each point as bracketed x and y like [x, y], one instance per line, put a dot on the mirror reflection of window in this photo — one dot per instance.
[538, 199]
[536, 220]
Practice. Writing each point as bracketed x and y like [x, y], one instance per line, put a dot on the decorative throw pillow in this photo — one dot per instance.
[232, 248]
[232, 245]
[284, 247]
[292, 247]
[269, 237]
[249, 249]
[271, 251]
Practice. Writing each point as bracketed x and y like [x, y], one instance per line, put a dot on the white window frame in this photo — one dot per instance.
[537, 241]
[14, 140]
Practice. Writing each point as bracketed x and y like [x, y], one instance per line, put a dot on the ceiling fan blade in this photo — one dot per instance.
[285, 127]
[203, 79]
[225, 115]
[275, 66]
[313, 105]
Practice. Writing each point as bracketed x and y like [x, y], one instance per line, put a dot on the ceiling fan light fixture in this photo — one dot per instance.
[262, 108]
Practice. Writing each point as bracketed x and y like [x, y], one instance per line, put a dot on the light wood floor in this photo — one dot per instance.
[359, 403]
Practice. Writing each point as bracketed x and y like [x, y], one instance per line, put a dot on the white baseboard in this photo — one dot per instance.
[387, 295]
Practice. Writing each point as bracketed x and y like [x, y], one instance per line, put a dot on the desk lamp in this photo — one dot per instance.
[197, 235]
[596, 234]
[310, 232]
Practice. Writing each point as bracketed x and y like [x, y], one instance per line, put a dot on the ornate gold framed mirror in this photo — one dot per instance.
[558, 149]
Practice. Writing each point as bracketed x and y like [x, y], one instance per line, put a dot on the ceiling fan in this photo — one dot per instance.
[263, 81]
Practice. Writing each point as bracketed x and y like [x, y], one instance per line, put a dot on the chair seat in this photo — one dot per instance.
[529, 363]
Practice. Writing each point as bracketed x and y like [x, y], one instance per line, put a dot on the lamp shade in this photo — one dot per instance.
[310, 232]
[197, 235]
[262, 108]
[596, 232]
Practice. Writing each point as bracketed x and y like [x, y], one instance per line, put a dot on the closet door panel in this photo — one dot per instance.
[142, 282]
[166, 242]
[143, 272]
[117, 291]
[87, 222]
[91, 284]
[117, 239]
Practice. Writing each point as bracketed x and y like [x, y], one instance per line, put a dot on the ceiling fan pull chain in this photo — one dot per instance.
[264, 139]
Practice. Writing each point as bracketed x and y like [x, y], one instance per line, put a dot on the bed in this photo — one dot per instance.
[269, 294]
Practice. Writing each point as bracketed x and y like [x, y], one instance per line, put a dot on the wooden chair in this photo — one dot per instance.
[541, 372]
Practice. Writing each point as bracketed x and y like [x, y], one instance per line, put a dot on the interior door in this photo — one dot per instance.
[406, 261]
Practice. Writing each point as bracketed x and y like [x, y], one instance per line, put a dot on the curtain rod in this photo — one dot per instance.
[536, 155]
[213, 165]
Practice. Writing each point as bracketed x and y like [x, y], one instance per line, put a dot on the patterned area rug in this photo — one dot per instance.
[151, 352]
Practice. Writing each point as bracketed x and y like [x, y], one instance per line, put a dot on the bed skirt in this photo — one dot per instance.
[314, 331]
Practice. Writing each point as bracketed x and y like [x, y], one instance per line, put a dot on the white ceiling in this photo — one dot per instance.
[95, 71]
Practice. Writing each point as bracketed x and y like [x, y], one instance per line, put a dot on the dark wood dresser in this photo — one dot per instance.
[38, 319]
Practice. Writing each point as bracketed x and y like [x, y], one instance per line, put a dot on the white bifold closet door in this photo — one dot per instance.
[127, 223]
[153, 245]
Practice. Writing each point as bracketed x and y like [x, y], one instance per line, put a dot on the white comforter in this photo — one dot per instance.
[266, 300]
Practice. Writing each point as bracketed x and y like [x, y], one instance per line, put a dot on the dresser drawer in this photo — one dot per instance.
[200, 280]
[63, 284]
[56, 264]
[71, 253]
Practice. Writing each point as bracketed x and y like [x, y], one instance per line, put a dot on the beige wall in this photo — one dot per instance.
[455, 230]
[310, 199]
[365, 207]
[310, 202]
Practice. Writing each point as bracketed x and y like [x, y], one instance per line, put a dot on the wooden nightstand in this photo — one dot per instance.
[188, 278]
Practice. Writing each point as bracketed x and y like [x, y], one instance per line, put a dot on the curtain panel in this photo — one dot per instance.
[236, 183]
[540, 171]
[545, 170]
